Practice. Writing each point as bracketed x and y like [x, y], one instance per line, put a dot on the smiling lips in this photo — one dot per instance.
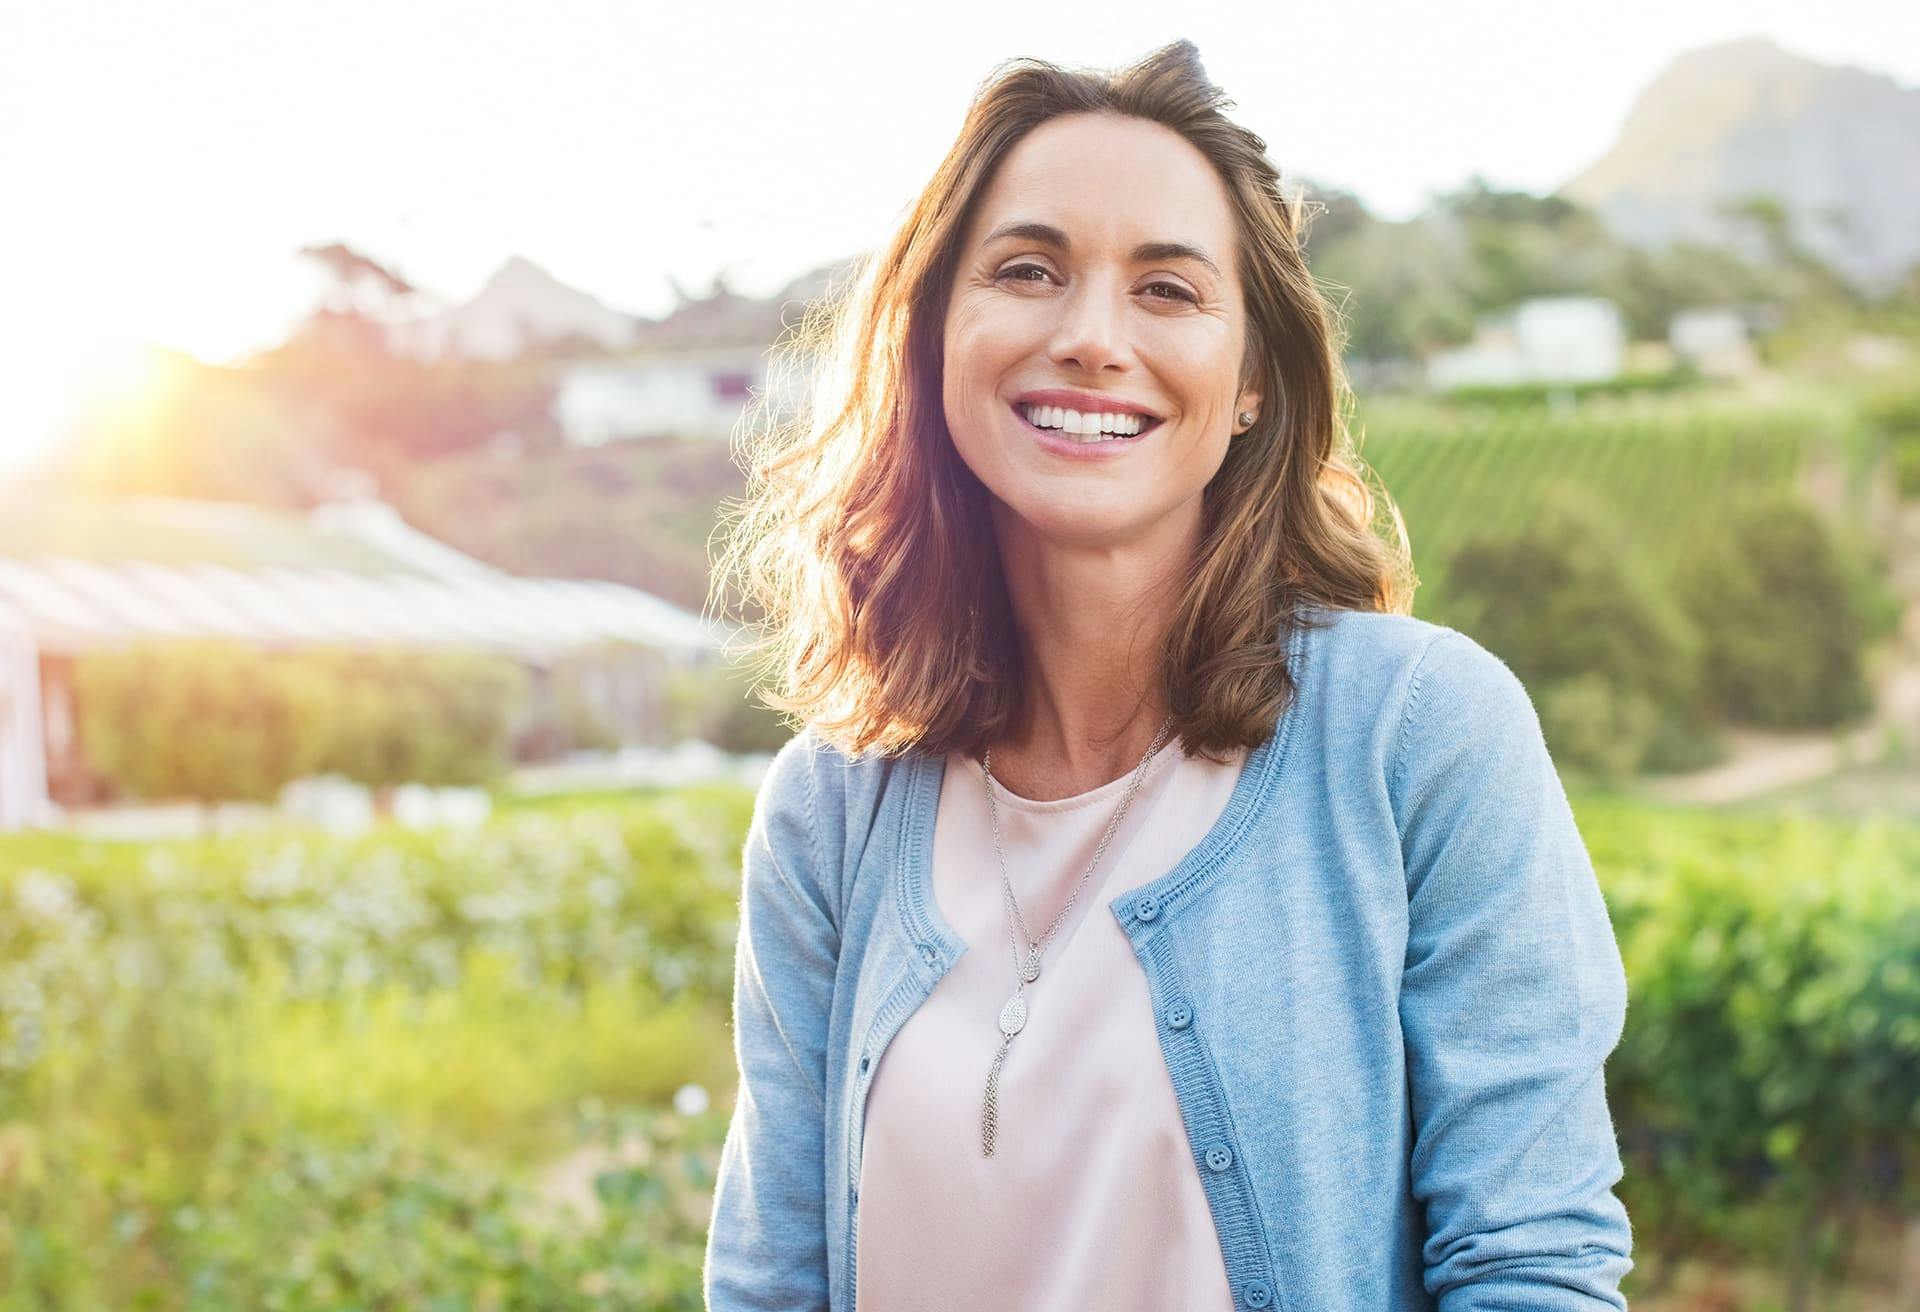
[1084, 430]
[1084, 418]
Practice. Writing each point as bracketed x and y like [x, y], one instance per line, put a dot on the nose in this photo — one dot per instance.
[1090, 331]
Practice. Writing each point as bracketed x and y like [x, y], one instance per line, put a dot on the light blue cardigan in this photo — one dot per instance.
[1385, 985]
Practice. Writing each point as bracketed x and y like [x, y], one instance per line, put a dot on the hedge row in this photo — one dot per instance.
[226, 1068]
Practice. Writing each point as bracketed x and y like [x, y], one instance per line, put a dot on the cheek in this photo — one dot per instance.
[974, 358]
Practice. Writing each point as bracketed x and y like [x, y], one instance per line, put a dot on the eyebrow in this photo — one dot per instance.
[1048, 235]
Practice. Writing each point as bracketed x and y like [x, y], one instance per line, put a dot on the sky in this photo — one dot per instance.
[166, 161]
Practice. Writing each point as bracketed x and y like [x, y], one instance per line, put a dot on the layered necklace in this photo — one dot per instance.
[1026, 967]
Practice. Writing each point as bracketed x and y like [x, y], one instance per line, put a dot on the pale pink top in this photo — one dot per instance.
[1092, 1197]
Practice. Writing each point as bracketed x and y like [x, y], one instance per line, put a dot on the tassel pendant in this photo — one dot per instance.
[1013, 1019]
[990, 1109]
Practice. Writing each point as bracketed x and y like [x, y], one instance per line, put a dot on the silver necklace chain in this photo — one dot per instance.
[1013, 1016]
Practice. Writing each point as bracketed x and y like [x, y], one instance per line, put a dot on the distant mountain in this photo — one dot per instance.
[1838, 147]
[521, 306]
[722, 317]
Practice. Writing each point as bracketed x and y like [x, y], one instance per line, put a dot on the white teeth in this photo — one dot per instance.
[1083, 427]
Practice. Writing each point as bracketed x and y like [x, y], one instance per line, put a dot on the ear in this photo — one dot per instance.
[1249, 402]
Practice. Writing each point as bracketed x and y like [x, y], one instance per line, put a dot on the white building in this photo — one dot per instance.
[1549, 339]
[23, 763]
[694, 392]
[1715, 339]
[694, 373]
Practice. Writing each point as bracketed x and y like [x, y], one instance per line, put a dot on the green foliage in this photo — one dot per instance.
[1533, 395]
[274, 1070]
[206, 719]
[308, 1073]
[1686, 740]
[1532, 527]
[412, 716]
[296, 1222]
[1567, 605]
[1778, 611]
[1669, 468]
[216, 719]
[1407, 288]
[1590, 724]
[1396, 287]
[1892, 412]
[717, 704]
[1772, 1048]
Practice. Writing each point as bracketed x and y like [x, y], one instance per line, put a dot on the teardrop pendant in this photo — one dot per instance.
[1013, 1016]
[1030, 968]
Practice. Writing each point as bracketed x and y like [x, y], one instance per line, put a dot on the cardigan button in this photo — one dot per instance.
[1257, 1294]
[1219, 1157]
[1179, 1015]
[865, 1060]
[927, 954]
[1147, 907]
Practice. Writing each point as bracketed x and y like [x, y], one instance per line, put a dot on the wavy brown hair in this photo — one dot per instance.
[864, 539]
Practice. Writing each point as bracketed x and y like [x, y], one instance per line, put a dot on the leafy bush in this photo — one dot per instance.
[1780, 614]
[717, 704]
[1679, 377]
[1683, 740]
[1772, 1047]
[1665, 466]
[304, 1072]
[412, 716]
[294, 1221]
[280, 1070]
[1893, 413]
[201, 718]
[215, 719]
[1566, 598]
[1589, 724]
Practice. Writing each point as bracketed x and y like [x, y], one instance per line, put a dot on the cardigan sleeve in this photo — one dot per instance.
[767, 1238]
[1513, 994]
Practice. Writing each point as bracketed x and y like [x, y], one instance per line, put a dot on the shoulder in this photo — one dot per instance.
[818, 799]
[834, 780]
[1381, 661]
[1465, 723]
[1366, 637]
[1412, 687]
[1349, 643]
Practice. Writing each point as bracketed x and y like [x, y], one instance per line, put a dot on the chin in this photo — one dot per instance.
[1082, 521]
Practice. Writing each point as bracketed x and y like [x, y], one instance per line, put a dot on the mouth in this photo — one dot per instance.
[1056, 433]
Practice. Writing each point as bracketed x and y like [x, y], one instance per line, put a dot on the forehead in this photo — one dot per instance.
[1104, 178]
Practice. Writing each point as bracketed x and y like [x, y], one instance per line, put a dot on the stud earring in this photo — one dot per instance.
[1246, 418]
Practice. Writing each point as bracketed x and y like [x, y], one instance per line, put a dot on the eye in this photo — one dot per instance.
[1179, 293]
[1012, 269]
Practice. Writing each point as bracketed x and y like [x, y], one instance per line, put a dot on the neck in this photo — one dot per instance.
[1091, 621]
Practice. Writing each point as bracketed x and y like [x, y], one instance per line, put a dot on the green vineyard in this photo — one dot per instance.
[1667, 467]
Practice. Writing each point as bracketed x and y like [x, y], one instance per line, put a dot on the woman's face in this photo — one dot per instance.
[1118, 281]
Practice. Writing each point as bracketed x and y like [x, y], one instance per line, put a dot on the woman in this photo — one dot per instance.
[1152, 914]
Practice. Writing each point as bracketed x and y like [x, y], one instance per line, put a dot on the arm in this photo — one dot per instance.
[1512, 997]
[767, 1239]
